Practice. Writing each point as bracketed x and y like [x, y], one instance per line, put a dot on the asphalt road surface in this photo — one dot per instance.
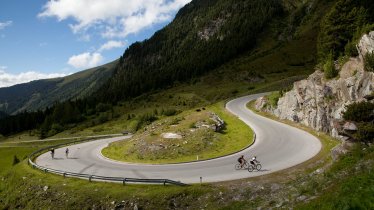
[277, 147]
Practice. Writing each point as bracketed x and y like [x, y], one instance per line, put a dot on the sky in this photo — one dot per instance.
[45, 39]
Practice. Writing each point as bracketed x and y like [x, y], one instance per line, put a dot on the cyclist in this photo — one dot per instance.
[253, 161]
[67, 153]
[53, 153]
[241, 160]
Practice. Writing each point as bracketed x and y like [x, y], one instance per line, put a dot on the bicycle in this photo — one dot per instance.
[256, 166]
[238, 166]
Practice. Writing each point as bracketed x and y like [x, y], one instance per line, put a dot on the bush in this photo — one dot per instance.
[329, 67]
[351, 50]
[57, 127]
[103, 117]
[101, 107]
[365, 132]
[274, 98]
[369, 62]
[360, 112]
[134, 125]
[144, 119]
[15, 160]
[363, 113]
[170, 112]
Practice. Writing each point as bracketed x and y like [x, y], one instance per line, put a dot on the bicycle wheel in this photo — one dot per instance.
[250, 168]
[258, 167]
[237, 166]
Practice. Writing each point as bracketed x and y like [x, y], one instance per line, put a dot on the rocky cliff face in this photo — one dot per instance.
[320, 103]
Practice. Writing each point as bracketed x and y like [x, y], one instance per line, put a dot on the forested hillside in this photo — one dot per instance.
[343, 25]
[40, 94]
[203, 35]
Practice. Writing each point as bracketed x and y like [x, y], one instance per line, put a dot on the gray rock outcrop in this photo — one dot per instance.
[320, 103]
[366, 44]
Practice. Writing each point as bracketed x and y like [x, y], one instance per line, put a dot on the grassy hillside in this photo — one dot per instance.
[43, 93]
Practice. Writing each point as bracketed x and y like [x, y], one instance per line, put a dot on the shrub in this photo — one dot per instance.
[145, 119]
[170, 112]
[329, 67]
[351, 50]
[363, 113]
[101, 107]
[365, 132]
[103, 117]
[15, 160]
[274, 98]
[360, 112]
[134, 126]
[369, 62]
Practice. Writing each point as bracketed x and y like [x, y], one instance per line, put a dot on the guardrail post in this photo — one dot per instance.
[45, 170]
[124, 182]
[201, 180]
[64, 174]
[90, 178]
[164, 182]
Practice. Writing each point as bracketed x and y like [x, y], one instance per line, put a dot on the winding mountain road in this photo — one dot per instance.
[277, 146]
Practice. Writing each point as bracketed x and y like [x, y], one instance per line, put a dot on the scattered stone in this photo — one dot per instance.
[45, 188]
[171, 136]
[340, 149]
[275, 187]
[319, 171]
[301, 198]
[350, 126]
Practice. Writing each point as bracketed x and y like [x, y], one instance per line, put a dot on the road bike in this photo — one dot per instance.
[238, 166]
[257, 166]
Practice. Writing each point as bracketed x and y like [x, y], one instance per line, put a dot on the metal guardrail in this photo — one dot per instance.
[91, 177]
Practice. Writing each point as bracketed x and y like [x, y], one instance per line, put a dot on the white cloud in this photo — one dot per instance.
[85, 60]
[7, 79]
[5, 24]
[112, 18]
[111, 44]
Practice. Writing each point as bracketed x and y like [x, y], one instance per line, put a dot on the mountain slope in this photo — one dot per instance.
[43, 93]
[203, 35]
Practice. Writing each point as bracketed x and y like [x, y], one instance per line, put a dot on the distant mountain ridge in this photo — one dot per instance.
[40, 94]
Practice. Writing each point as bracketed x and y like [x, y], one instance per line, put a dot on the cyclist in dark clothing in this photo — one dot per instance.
[241, 160]
[53, 153]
